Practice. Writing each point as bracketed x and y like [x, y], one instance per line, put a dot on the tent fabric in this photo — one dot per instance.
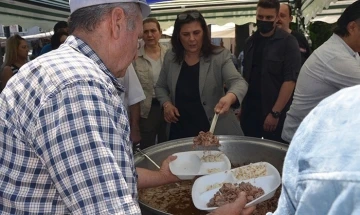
[332, 13]
[45, 13]
[310, 8]
[324, 10]
[217, 12]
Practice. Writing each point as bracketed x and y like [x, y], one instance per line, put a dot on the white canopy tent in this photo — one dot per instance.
[219, 12]
[224, 31]
[42, 13]
[327, 11]
[45, 13]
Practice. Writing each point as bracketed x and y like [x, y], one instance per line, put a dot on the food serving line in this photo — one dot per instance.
[239, 150]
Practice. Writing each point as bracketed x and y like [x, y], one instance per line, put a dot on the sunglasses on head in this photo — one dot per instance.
[183, 16]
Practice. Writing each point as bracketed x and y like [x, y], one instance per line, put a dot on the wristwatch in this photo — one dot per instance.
[275, 114]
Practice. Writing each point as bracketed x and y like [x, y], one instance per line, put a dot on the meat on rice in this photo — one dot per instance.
[229, 192]
[206, 139]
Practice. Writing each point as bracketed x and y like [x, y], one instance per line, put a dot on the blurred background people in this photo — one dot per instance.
[271, 63]
[285, 18]
[61, 26]
[147, 66]
[16, 55]
[191, 82]
[36, 49]
[57, 39]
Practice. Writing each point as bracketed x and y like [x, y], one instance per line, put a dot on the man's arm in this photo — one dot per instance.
[292, 65]
[135, 96]
[148, 178]
[285, 94]
[287, 88]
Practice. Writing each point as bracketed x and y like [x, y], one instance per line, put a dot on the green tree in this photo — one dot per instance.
[319, 33]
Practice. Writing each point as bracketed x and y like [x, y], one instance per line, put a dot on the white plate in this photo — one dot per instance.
[188, 165]
[205, 187]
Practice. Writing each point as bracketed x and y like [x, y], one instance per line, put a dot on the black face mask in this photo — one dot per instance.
[265, 26]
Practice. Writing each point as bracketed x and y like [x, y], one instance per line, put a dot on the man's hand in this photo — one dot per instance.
[235, 208]
[165, 170]
[224, 103]
[150, 178]
[270, 123]
[171, 113]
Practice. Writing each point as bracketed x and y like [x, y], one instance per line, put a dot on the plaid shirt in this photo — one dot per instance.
[64, 138]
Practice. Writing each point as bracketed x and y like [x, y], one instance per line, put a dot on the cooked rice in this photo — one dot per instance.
[213, 170]
[208, 157]
[250, 171]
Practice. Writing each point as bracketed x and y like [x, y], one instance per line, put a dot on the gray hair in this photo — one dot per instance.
[88, 18]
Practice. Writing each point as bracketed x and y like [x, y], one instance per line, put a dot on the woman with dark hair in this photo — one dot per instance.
[190, 85]
[57, 39]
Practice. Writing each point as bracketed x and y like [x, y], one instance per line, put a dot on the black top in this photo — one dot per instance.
[254, 90]
[192, 118]
[305, 50]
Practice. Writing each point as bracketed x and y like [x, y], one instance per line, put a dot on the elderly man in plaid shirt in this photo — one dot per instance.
[64, 132]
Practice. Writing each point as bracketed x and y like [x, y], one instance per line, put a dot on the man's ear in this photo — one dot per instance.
[291, 18]
[351, 26]
[118, 22]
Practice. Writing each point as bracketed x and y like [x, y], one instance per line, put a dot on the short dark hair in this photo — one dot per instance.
[55, 39]
[351, 13]
[207, 48]
[60, 25]
[152, 20]
[269, 4]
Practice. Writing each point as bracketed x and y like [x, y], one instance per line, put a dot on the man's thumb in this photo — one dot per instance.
[241, 200]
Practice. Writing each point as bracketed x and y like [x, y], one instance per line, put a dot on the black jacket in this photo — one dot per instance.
[281, 62]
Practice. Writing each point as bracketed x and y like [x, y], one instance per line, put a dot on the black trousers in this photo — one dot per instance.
[153, 126]
[252, 123]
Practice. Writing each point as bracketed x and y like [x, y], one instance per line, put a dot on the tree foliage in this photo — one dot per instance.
[319, 33]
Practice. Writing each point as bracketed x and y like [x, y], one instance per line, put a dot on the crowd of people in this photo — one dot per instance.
[69, 119]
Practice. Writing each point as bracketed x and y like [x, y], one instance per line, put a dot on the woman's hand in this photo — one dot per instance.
[171, 113]
[224, 103]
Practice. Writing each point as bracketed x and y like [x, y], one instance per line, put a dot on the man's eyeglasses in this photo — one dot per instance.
[183, 16]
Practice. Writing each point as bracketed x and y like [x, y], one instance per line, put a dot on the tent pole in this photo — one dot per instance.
[296, 5]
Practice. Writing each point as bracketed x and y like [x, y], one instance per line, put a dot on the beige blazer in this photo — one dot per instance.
[215, 71]
[144, 72]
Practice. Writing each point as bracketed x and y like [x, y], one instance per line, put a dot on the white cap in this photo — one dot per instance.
[77, 4]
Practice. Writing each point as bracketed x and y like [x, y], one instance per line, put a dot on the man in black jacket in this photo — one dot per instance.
[271, 63]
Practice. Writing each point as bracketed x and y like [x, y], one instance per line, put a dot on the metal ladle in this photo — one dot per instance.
[145, 155]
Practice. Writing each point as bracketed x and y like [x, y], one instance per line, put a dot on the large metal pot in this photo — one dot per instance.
[240, 150]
